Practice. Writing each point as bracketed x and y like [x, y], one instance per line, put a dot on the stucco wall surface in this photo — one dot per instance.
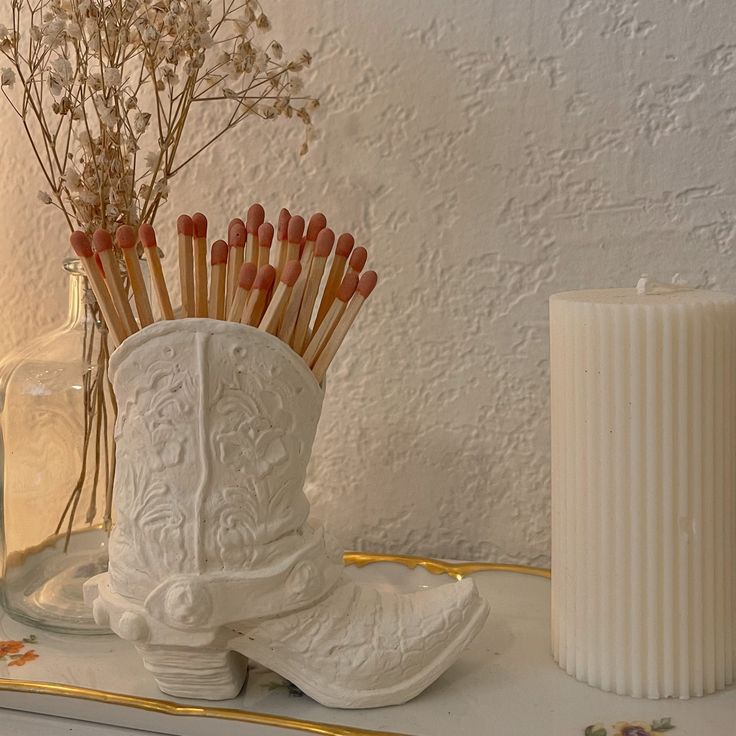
[488, 154]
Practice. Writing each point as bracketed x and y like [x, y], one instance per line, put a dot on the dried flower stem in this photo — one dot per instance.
[98, 82]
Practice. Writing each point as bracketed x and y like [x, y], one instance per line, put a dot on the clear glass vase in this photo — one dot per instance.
[58, 461]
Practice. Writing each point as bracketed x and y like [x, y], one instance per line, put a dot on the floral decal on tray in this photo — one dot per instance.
[631, 728]
[12, 651]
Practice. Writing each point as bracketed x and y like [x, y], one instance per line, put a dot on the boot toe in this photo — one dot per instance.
[363, 648]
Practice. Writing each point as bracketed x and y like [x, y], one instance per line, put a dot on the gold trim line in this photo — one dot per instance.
[440, 567]
[175, 709]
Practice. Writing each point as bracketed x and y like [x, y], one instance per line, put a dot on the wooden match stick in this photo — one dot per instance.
[295, 231]
[255, 218]
[257, 299]
[365, 286]
[218, 273]
[272, 317]
[291, 311]
[245, 284]
[344, 246]
[282, 236]
[185, 230]
[126, 239]
[103, 247]
[199, 223]
[147, 237]
[265, 238]
[317, 223]
[236, 241]
[322, 248]
[83, 248]
[357, 259]
[322, 333]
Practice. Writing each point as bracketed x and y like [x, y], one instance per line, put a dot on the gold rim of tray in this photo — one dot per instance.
[360, 559]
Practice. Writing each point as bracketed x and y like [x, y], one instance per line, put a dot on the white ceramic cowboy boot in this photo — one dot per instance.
[212, 559]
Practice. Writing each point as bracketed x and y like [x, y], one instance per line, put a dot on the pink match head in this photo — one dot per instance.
[345, 245]
[125, 236]
[347, 287]
[236, 233]
[265, 277]
[358, 258]
[147, 235]
[325, 241]
[247, 275]
[291, 272]
[81, 245]
[265, 234]
[296, 229]
[367, 283]
[218, 253]
[256, 216]
[317, 222]
[102, 240]
[282, 228]
[199, 223]
[184, 225]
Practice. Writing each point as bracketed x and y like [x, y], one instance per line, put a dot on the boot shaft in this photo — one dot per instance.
[215, 427]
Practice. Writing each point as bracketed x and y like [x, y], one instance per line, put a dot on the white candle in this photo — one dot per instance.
[644, 489]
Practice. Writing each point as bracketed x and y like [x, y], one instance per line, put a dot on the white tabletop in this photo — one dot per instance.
[505, 683]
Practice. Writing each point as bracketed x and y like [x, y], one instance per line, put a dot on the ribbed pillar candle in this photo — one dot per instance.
[644, 489]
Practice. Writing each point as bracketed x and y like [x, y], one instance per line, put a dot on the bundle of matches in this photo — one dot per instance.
[281, 290]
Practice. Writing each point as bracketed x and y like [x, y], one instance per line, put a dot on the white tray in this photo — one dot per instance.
[506, 683]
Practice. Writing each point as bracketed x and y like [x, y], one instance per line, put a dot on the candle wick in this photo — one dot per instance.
[644, 285]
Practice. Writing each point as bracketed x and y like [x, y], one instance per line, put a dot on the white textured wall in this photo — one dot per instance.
[489, 154]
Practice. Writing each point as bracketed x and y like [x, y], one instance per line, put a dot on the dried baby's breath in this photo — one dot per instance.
[97, 82]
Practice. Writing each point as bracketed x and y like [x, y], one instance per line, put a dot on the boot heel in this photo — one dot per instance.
[188, 672]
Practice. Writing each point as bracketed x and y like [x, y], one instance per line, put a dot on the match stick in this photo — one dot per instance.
[270, 321]
[199, 223]
[245, 284]
[282, 236]
[322, 248]
[343, 249]
[295, 232]
[257, 299]
[256, 216]
[147, 237]
[111, 267]
[357, 259]
[291, 311]
[265, 238]
[236, 241]
[125, 236]
[218, 273]
[83, 248]
[317, 223]
[322, 333]
[365, 286]
[185, 230]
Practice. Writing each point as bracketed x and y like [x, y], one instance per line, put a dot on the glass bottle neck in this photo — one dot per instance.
[79, 293]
